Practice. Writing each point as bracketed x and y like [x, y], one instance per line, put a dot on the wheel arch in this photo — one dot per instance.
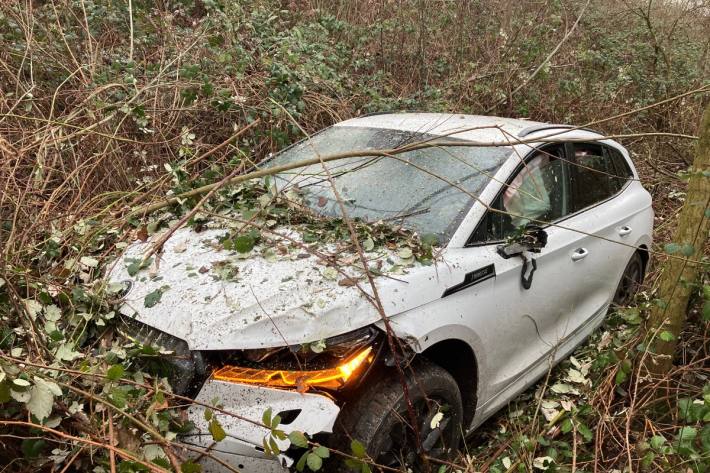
[645, 255]
[459, 360]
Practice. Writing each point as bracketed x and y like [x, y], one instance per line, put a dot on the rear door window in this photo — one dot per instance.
[621, 169]
[593, 175]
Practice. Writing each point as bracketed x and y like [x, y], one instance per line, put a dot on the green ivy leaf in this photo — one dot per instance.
[405, 252]
[657, 441]
[705, 439]
[31, 448]
[65, 352]
[429, 239]
[314, 462]
[686, 435]
[301, 464]
[115, 372]
[684, 406]
[621, 376]
[119, 396]
[631, 316]
[273, 446]
[298, 439]
[566, 426]
[152, 299]
[357, 448]
[321, 451]
[135, 265]
[586, 432]
[706, 311]
[265, 445]
[647, 459]
[215, 428]
[266, 417]
[671, 248]
[666, 336]
[244, 243]
[368, 244]
[687, 250]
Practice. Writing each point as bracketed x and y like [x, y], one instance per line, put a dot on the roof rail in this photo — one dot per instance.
[548, 126]
[389, 112]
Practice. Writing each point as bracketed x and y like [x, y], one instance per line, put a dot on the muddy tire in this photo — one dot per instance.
[380, 420]
[630, 282]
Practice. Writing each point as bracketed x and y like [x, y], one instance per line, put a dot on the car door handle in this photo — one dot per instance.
[625, 230]
[579, 254]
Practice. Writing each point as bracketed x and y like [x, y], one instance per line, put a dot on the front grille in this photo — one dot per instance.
[184, 369]
[147, 335]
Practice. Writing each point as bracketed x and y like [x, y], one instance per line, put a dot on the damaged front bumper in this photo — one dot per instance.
[293, 382]
[242, 449]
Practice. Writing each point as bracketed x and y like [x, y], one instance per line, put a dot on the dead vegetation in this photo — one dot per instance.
[105, 110]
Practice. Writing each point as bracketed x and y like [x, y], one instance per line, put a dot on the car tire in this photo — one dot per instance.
[631, 280]
[378, 418]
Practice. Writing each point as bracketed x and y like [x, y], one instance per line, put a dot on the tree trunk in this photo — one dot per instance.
[678, 274]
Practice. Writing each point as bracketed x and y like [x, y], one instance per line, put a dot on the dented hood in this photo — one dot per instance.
[217, 299]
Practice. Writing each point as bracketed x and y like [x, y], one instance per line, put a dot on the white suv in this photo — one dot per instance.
[535, 231]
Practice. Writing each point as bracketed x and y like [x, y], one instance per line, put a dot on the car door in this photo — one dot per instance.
[603, 219]
[529, 322]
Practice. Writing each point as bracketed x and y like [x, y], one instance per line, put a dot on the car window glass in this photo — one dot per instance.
[621, 169]
[594, 177]
[537, 193]
[427, 190]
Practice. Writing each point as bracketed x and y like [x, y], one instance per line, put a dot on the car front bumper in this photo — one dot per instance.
[242, 447]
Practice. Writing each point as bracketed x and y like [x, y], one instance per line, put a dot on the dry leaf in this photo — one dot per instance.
[142, 233]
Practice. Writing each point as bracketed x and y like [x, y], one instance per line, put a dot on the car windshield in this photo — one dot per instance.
[427, 190]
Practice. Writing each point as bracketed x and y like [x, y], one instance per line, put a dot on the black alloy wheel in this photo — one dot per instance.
[630, 282]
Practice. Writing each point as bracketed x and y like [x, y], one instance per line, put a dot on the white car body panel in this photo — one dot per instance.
[271, 303]
[514, 333]
[244, 438]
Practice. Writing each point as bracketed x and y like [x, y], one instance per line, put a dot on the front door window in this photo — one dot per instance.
[537, 194]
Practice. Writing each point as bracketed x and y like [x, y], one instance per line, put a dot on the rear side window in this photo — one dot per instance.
[594, 177]
[621, 169]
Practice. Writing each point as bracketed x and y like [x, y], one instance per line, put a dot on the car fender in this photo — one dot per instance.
[421, 332]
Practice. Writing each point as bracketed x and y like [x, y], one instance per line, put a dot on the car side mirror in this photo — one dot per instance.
[530, 238]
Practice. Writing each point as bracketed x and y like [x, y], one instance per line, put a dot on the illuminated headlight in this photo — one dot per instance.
[344, 359]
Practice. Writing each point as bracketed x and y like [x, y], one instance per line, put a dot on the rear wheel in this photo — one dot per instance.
[630, 281]
[380, 420]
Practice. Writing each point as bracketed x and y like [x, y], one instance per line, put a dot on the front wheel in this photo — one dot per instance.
[630, 282]
[380, 419]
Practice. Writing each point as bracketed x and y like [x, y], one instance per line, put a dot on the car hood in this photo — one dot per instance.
[217, 299]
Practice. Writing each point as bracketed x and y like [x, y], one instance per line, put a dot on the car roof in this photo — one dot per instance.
[487, 127]
[477, 127]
